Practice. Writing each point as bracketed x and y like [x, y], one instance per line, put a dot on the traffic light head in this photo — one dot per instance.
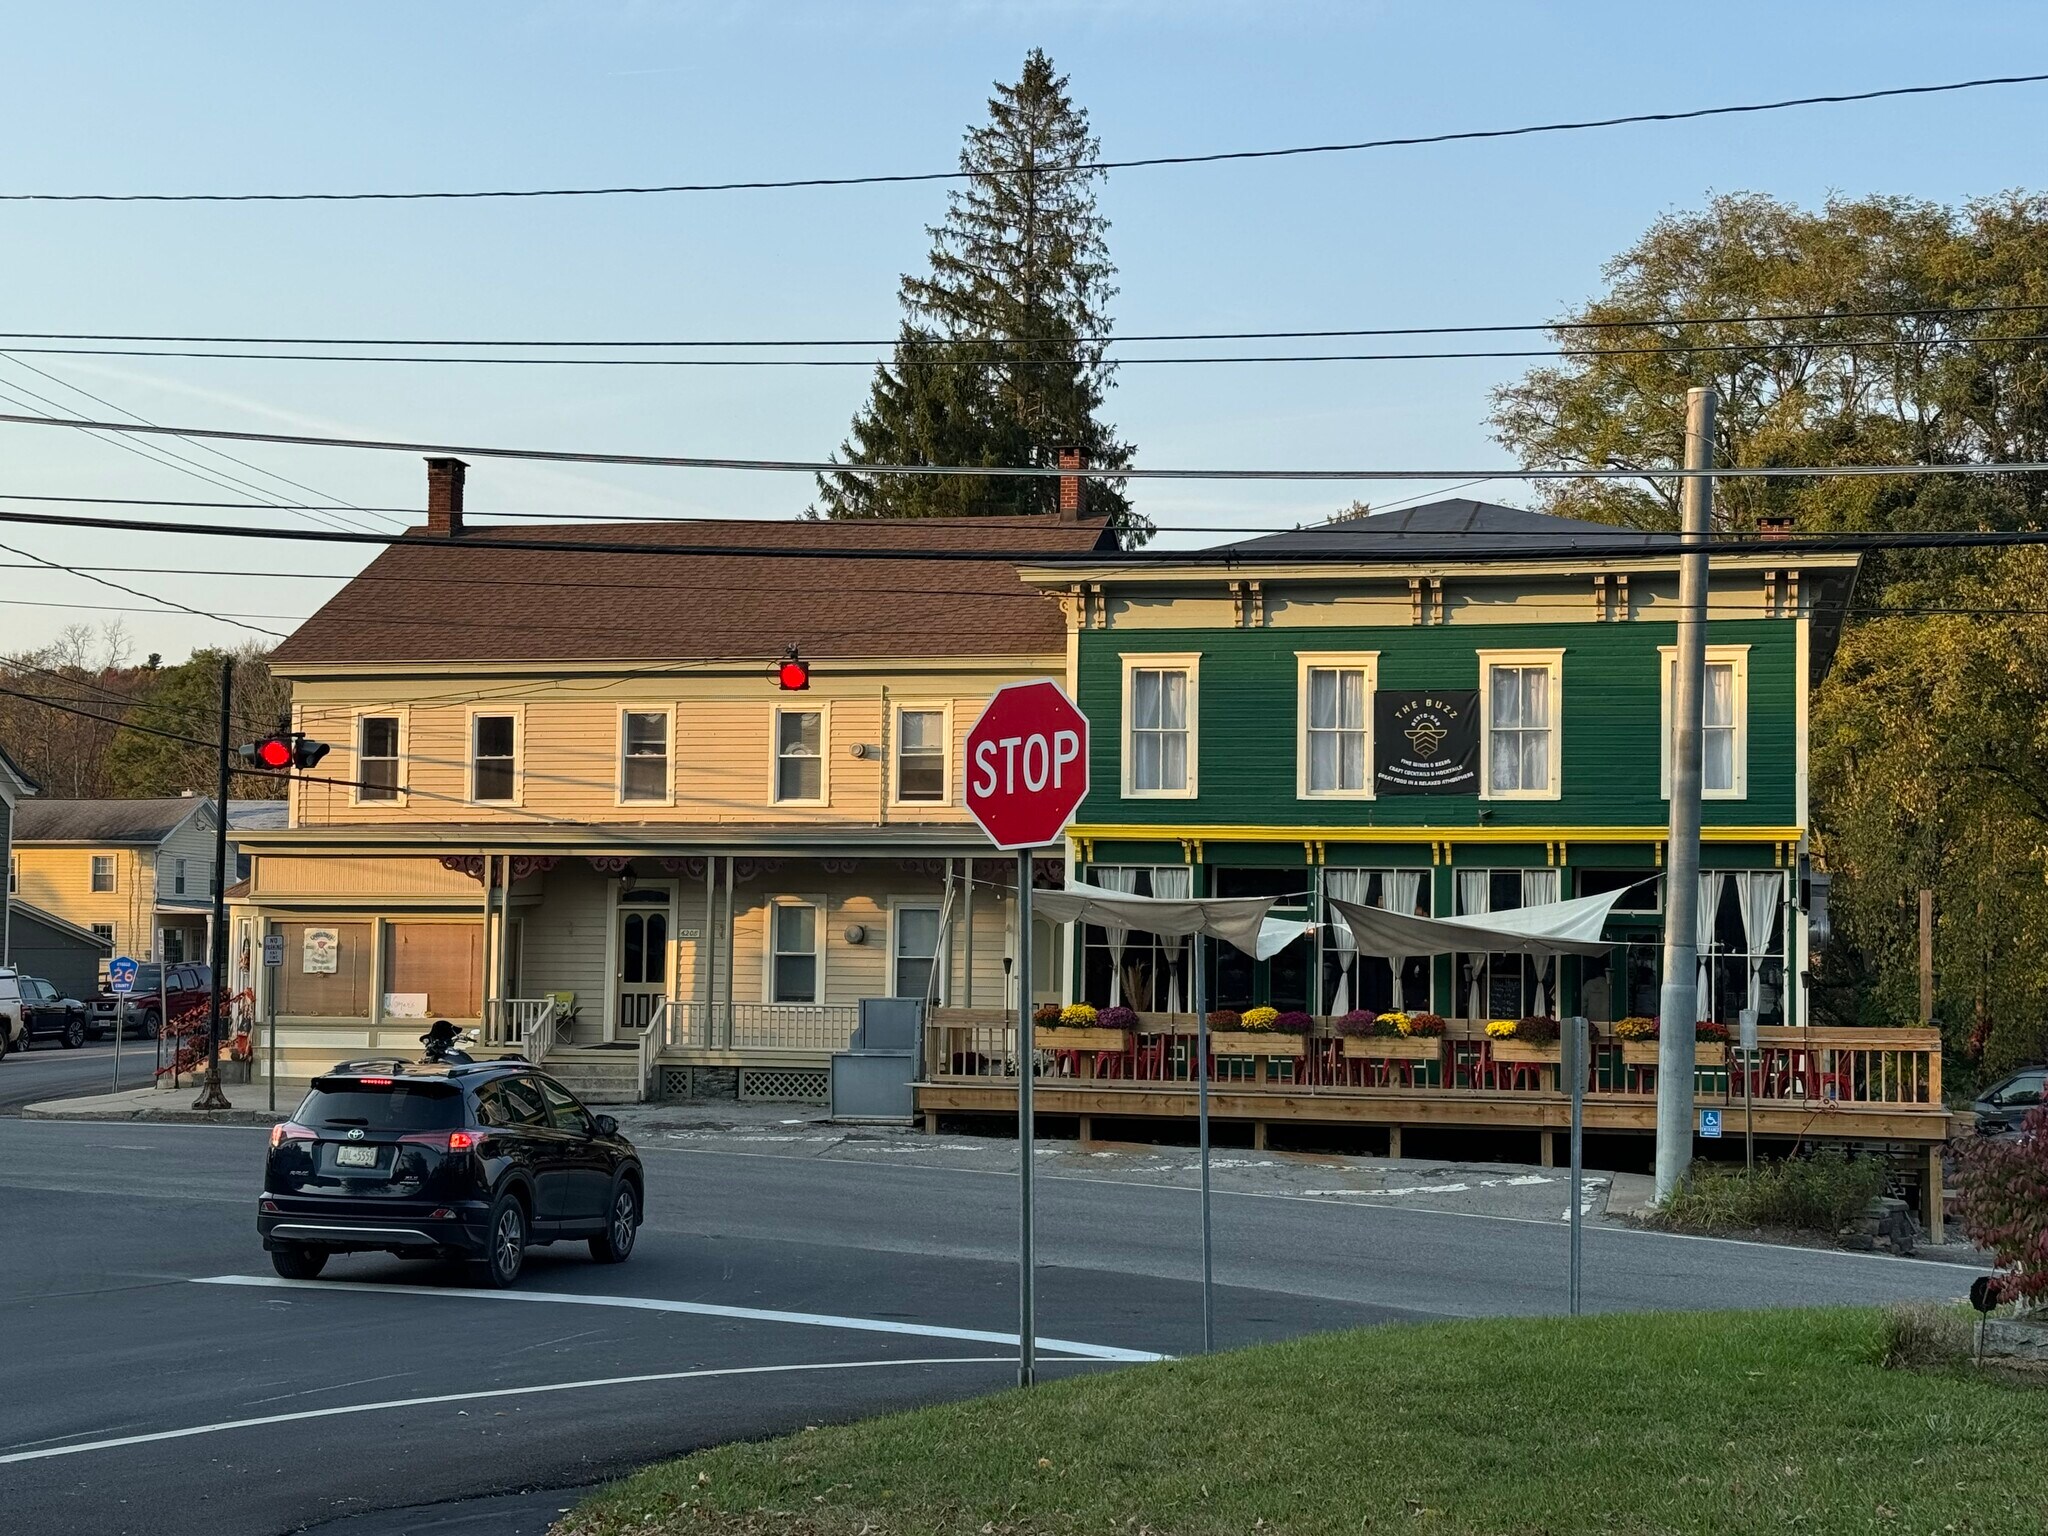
[284, 751]
[793, 675]
[272, 752]
[306, 753]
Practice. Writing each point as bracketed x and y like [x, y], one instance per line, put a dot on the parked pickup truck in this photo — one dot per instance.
[157, 988]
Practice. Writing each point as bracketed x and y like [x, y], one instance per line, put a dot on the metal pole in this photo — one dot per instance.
[1678, 1004]
[1748, 1054]
[1027, 1318]
[269, 973]
[120, 1029]
[210, 1096]
[1580, 1051]
[1201, 989]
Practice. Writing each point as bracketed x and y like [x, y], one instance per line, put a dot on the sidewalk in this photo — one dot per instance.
[172, 1105]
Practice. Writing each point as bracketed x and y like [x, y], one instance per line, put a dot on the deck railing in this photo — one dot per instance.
[820, 1027]
[511, 1021]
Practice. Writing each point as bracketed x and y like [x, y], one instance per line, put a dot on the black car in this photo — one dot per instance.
[2002, 1106]
[50, 1015]
[471, 1161]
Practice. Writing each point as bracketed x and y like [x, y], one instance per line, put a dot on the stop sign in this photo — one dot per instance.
[1027, 764]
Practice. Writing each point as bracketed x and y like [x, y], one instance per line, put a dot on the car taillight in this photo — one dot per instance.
[288, 1130]
[460, 1141]
[442, 1141]
[382, 1082]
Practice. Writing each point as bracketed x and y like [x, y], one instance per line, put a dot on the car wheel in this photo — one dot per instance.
[621, 1226]
[74, 1035]
[298, 1263]
[505, 1253]
[150, 1026]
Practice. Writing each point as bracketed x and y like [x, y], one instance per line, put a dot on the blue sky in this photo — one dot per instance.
[213, 97]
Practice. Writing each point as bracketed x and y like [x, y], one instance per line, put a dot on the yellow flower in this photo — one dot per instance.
[1077, 1016]
[1398, 1020]
[1260, 1018]
[1500, 1029]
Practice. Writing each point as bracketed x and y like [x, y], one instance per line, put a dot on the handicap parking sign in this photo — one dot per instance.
[1710, 1124]
[121, 975]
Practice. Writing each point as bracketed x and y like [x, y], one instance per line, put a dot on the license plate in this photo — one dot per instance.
[356, 1157]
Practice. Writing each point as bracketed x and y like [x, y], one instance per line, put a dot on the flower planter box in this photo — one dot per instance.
[1710, 1053]
[1067, 1037]
[1391, 1047]
[1253, 1042]
[1532, 1055]
[1643, 1053]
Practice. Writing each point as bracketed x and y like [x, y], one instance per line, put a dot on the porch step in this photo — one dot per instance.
[597, 1076]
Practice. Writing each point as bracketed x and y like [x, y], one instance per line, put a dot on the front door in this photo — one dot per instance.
[643, 925]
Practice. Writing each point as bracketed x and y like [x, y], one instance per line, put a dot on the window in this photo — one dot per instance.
[102, 872]
[916, 948]
[13, 874]
[326, 971]
[431, 970]
[1506, 985]
[1334, 751]
[793, 959]
[2022, 1092]
[800, 755]
[174, 945]
[1642, 890]
[377, 758]
[643, 755]
[1518, 705]
[1724, 721]
[1131, 967]
[511, 1101]
[564, 1111]
[1351, 980]
[104, 932]
[493, 747]
[1160, 733]
[921, 756]
[177, 877]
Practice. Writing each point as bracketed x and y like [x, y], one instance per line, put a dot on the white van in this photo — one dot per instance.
[13, 1022]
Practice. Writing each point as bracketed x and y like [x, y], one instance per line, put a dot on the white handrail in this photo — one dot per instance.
[652, 1038]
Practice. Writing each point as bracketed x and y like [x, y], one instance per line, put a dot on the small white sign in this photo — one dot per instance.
[273, 949]
[1710, 1124]
[322, 952]
[405, 1005]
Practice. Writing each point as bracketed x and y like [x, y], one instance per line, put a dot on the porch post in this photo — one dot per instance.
[707, 949]
[731, 939]
[485, 980]
[969, 1000]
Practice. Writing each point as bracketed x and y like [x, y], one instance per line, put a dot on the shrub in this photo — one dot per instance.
[1046, 1015]
[2002, 1203]
[1918, 1334]
[1225, 1018]
[1117, 1018]
[1358, 1023]
[1295, 1022]
[1537, 1029]
[1078, 1016]
[1428, 1025]
[1259, 1020]
[1710, 1032]
[1390, 1025]
[1635, 1027]
[1822, 1192]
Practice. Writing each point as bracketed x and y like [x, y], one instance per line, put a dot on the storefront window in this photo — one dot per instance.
[326, 971]
[433, 970]
[1351, 980]
[1129, 966]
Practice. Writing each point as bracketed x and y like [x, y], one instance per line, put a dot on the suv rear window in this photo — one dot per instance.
[399, 1106]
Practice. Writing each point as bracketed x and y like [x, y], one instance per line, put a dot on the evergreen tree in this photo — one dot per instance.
[999, 361]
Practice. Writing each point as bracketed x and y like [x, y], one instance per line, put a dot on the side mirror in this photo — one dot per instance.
[606, 1125]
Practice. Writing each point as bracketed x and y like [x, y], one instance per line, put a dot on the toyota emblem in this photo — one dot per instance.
[355, 1133]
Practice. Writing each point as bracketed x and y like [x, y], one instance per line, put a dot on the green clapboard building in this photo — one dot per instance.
[1455, 709]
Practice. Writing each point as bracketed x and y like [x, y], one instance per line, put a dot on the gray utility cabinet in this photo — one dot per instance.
[871, 1081]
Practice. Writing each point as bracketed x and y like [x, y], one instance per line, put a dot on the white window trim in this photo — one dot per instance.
[518, 714]
[668, 753]
[1738, 657]
[824, 910]
[404, 718]
[1554, 660]
[823, 711]
[918, 903]
[1367, 662]
[1189, 662]
[113, 875]
[894, 767]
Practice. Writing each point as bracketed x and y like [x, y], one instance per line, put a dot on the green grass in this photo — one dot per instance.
[1706, 1422]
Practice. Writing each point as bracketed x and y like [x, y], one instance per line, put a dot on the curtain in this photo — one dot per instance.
[1758, 892]
[1347, 885]
[1475, 900]
[1175, 882]
[1539, 889]
[1406, 891]
[1124, 881]
[1703, 932]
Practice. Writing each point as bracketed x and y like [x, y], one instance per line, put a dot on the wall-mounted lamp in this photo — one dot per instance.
[856, 934]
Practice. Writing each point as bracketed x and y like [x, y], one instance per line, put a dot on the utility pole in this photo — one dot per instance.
[210, 1096]
[1678, 1004]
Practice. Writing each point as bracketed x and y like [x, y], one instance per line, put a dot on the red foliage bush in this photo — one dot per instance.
[2002, 1203]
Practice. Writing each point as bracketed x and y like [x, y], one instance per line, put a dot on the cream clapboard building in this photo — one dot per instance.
[567, 800]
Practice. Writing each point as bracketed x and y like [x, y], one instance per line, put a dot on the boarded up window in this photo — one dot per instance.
[306, 990]
[441, 962]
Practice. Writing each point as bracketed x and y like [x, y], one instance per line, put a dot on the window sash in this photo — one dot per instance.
[1336, 729]
[1518, 745]
[793, 961]
[915, 950]
[102, 873]
[921, 756]
[377, 758]
[799, 754]
[643, 755]
[178, 877]
[494, 744]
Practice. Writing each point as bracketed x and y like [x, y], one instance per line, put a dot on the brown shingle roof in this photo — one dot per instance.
[433, 602]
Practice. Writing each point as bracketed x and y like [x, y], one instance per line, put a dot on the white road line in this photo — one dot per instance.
[695, 1309]
[470, 1397]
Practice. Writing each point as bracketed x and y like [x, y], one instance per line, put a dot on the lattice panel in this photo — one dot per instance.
[674, 1084]
[785, 1085]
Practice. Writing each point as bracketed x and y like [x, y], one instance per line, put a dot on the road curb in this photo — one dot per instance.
[62, 1109]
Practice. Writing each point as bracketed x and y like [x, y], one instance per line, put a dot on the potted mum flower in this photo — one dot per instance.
[1258, 1032]
[1357, 1024]
[1078, 1027]
[1710, 1043]
[1532, 1040]
[1393, 1038]
[1638, 1037]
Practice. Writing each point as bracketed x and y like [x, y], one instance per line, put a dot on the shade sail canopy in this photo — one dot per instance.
[1240, 921]
[1553, 928]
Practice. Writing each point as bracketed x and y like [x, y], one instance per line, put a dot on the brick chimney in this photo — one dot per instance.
[1070, 486]
[444, 497]
[1779, 527]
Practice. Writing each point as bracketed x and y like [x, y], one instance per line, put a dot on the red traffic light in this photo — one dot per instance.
[274, 752]
[793, 675]
[286, 750]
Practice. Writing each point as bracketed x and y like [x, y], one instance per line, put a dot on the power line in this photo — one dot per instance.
[1674, 349]
[165, 602]
[1105, 338]
[1057, 169]
[1032, 471]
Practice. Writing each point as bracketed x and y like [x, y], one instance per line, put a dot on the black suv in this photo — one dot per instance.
[50, 1015]
[472, 1161]
[2005, 1105]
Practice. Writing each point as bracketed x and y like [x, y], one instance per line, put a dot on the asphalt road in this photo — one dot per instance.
[51, 1072]
[147, 1391]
